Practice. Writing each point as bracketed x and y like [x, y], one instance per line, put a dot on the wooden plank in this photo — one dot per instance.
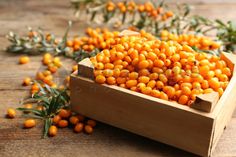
[158, 121]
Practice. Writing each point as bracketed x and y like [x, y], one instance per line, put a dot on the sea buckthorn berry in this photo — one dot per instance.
[116, 72]
[151, 84]
[158, 63]
[62, 123]
[108, 66]
[204, 84]
[163, 78]
[159, 84]
[26, 81]
[155, 93]
[100, 79]
[24, 60]
[220, 91]
[226, 71]
[124, 73]
[11, 113]
[78, 127]
[91, 122]
[28, 106]
[29, 123]
[120, 80]
[88, 129]
[99, 66]
[133, 75]
[108, 73]
[146, 90]
[143, 79]
[56, 119]
[74, 120]
[186, 90]
[143, 72]
[111, 80]
[163, 96]
[214, 83]
[153, 76]
[223, 77]
[63, 113]
[170, 91]
[183, 99]
[35, 87]
[143, 64]
[52, 131]
[208, 90]
[131, 83]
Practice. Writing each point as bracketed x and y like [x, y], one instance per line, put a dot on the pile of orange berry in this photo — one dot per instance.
[46, 76]
[131, 7]
[200, 42]
[63, 119]
[98, 38]
[163, 69]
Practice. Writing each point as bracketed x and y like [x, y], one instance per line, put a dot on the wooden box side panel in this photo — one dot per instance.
[227, 103]
[180, 128]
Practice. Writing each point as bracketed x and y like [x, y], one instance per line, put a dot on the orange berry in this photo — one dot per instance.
[52, 131]
[186, 90]
[155, 93]
[108, 72]
[220, 91]
[100, 79]
[226, 71]
[183, 99]
[74, 120]
[56, 119]
[143, 79]
[170, 91]
[11, 113]
[28, 106]
[163, 96]
[144, 72]
[151, 84]
[163, 78]
[29, 123]
[108, 66]
[124, 73]
[78, 127]
[24, 60]
[131, 83]
[26, 81]
[62, 123]
[63, 113]
[146, 90]
[88, 129]
[35, 87]
[214, 83]
[143, 64]
[111, 80]
[158, 63]
[208, 90]
[133, 75]
[91, 122]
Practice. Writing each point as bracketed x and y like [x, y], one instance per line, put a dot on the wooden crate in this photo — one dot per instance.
[177, 125]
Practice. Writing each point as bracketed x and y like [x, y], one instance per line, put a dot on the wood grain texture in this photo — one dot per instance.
[106, 141]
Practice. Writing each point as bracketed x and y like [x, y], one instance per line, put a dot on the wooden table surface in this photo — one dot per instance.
[52, 15]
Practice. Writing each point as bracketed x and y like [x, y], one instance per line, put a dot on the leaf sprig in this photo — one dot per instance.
[143, 16]
[51, 100]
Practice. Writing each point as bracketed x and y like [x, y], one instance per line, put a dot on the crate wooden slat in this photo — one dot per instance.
[168, 122]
